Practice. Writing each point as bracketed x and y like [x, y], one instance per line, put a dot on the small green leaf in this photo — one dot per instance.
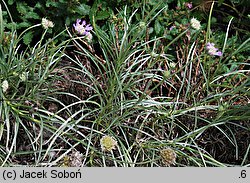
[102, 15]
[169, 37]
[22, 8]
[83, 9]
[67, 21]
[38, 5]
[157, 27]
[32, 15]
[10, 2]
[51, 4]
[23, 25]
[27, 38]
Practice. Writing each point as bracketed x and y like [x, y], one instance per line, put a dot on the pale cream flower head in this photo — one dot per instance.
[89, 37]
[168, 156]
[196, 24]
[108, 143]
[75, 159]
[47, 23]
[5, 86]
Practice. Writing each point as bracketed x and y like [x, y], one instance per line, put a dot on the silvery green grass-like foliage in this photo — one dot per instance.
[25, 77]
[122, 97]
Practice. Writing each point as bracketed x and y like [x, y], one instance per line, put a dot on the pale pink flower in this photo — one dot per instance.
[82, 28]
[189, 5]
[212, 50]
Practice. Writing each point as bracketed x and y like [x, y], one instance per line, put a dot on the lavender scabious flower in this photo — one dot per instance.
[212, 50]
[82, 28]
[172, 27]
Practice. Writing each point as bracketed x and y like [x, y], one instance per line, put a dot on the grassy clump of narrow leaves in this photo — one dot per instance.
[26, 77]
[128, 97]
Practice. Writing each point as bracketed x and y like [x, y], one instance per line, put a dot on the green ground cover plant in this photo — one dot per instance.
[146, 84]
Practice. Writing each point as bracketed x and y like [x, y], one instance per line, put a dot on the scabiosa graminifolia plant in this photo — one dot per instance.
[24, 79]
[212, 50]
